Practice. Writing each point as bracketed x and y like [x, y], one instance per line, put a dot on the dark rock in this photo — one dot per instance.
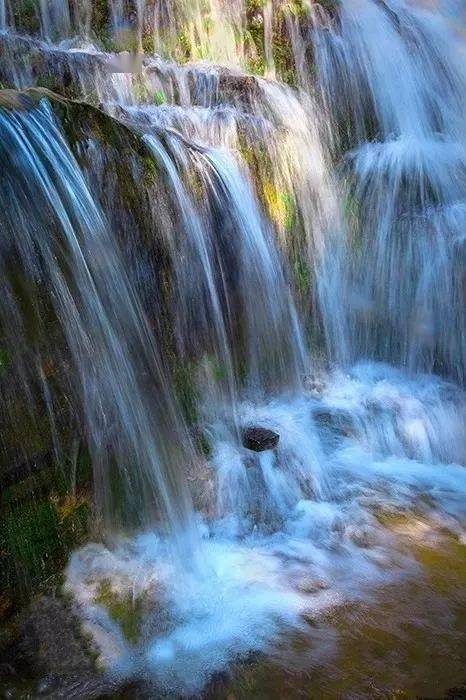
[51, 654]
[87, 688]
[335, 420]
[308, 584]
[47, 685]
[260, 439]
[7, 670]
[21, 471]
[50, 626]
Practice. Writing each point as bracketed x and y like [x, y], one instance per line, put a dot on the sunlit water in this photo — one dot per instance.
[352, 531]
[366, 473]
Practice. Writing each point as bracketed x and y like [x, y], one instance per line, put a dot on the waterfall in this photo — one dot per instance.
[3, 19]
[124, 395]
[242, 293]
[228, 272]
[404, 161]
[55, 19]
[275, 355]
[199, 282]
[82, 17]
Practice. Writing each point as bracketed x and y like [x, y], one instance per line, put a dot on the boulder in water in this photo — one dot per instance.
[260, 439]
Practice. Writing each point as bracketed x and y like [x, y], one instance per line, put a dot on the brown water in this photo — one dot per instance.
[409, 641]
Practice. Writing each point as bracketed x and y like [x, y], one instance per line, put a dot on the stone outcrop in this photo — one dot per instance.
[260, 439]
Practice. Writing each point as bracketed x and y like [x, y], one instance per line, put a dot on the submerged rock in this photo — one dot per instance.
[336, 420]
[260, 439]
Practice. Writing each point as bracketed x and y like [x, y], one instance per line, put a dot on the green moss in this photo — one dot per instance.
[302, 276]
[35, 540]
[74, 515]
[36, 536]
[331, 6]
[151, 172]
[281, 205]
[29, 542]
[352, 206]
[254, 38]
[186, 391]
[34, 485]
[26, 434]
[159, 98]
[284, 59]
[181, 49]
[5, 361]
[48, 82]
[142, 92]
[125, 610]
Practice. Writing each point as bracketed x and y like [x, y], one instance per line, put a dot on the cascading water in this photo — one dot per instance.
[64, 243]
[55, 19]
[296, 256]
[404, 159]
[210, 29]
[3, 22]
[235, 264]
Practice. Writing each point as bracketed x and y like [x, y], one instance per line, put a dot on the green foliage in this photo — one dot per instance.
[283, 57]
[36, 538]
[183, 48]
[148, 44]
[352, 206]
[254, 37]
[41, 520]
[26, 16]
[159, 98]
[352, 211]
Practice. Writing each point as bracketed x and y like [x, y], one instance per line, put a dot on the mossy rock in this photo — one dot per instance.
[36, 538]
[26, 16]
[124, 609]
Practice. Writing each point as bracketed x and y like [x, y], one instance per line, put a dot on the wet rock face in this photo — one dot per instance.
[337, 421]
[260, 439]
[47, 653]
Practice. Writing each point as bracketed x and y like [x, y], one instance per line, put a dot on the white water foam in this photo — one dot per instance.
[376, 441]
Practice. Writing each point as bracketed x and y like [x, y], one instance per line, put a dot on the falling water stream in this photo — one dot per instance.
[315, 242]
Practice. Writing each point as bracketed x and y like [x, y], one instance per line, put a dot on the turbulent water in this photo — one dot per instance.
[315, 243]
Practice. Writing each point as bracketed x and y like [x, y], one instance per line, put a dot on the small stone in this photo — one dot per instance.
[260, 439]
[364, 537]
[311, 585]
